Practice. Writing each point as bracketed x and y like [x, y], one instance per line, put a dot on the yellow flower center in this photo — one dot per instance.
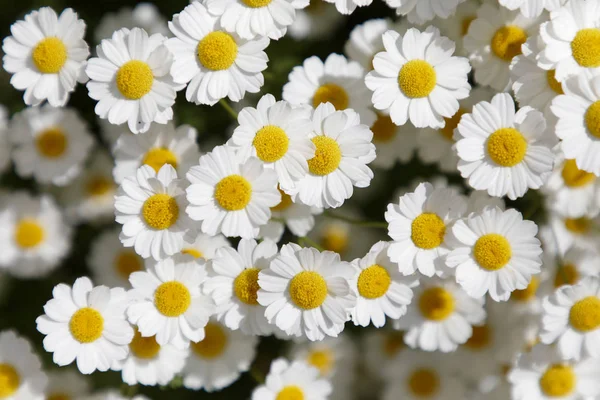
[525, 295]
[466, 24]
[507, 42]
[393, 343]
[159, 156]
[492, 251]
[127, 262]
[290, 393]
[245, 286]
[214, 342]
[160, 211]
[172, 299]
[52, 143]
[217, 51]
[451, 124]
[436, 303]
[585, 314]
[98, 186]
[271, 143]
[193, 252]
[144, 347]
[592, 119]
[558, 381]
[574, 177]
[507, 147]
[555, 85]
[373, 282]
[29, 233]
[566, 275]
[256, 3]
[424, 383]
[322, 360]
[480, 339]
[285, 203]
[9, 380]
[49, 55]
[233, 192]
[417, 79]
[578, 226]
[58, 396]
[86, 325]
[428, 231]
[327, 156]
[384, 130]
[586, 47]
[334, 239]
[135, 79]
[308, 290]
[331, 93]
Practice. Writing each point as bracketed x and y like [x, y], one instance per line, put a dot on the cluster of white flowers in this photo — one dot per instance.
[201, 255]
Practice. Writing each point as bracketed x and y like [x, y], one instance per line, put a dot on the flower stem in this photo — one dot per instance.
[308, 241]
[228, 108]
[352, 221]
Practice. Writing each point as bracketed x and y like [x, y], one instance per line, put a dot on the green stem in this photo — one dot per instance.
[310, 242]
[228, 108]
[257, 375]
[352, 221]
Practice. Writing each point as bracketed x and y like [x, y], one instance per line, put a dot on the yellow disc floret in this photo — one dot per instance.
[290, 393]
[393, 342]
[233, 192]
[428, 231]
[384, 130]
[451, 124]
[465, 24]
[9, 380]
[49, 55]
[492, 251]
[558, 381]
[159, 156]
[271, 143]
[585, 314]
[144, 347]
[527, 294]
[98, 185]
[334, 238]
[172, 299]
[217, 51]
[160, 211]
[566, 275]
[327, 156]
[436, 303]
[575, 177]
[214, 342]
[424, 383]
[586, 48]
[29, 233]
[507, 42]
[480, 339]
[58, 396]
[135, 79]
[555, 85]
[127, 262]
[579, 226]
[86, 325]
[193, 252]
[245, 286]
[51, 143]
[308, 290]
[373, 282]
[331, 93]
[256, 3]
[285, 203]
[321, 359]
[592, 119]
[506, 147]
[417, 79]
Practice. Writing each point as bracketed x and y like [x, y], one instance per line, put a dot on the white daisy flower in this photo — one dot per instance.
[86, 324]
[151, 207]
[67, 385]
[295, 380]
[343, 150]
[233, 284]
[571, 39]
[115, 395]
[393, 143]
[478, 201]
[380, 348]
[417, 78]
[144, 15]
[21, 371]
[219, 359]
[495, 252]
[50, 144]
[111, 263]
[419, 226]
[564, 232]
[421, 11]
[440, 317]
[575, 265]
[532, 8]
[306, 292]
[34, 237]
[162, 144]
[46, 55]
[494, 39]
[337, 81]
[504, 152]
[4, 142]
[167, 301]
[542, 374]
[365, 41]
[571, 319]
[111, 133]
[204, 246]
[213, 63]
[457, 27]
[149, 363]
[278, 135]
[130, 79]
[317, 20]
[382, 290]
[229, 195]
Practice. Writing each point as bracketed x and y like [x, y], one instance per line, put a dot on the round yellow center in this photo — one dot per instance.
[451, 124]
[592, 119]
[585, 314]
[135, 79]
[393, 343]
[555, 85]
[233, 192]
[574, 177]
[9, 380]
[586, 47]
[256, 3]
[566, 275]
[417, 79]
[193, 252]
[285, 203]
[428, 231]
[246, 286]
[158, 156]
[160, 211]
[466, 24]
[384, 130]
[335, 239]
[424, 383]
[506, 147]
[58, 396]
[373, 282]
[327, 156]
[98, 186]
[322, 360]
[29, 233]
[492, 251]
[217, 51]
[127, 262]
[331, 93]
[49, 55]
[51, 143]
[308, 290]
[86, 325]
[524, 295]
[507, 42]
[214, 342]
[558, 381]
[480, 339]
[578, 226]
[144, 347]
[436, 303]
[271, 143]
[172, 299]
[290, 393]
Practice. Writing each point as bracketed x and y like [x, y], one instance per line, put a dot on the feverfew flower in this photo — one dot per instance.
[143, 15]
[21, 371]
[46, 55]
[86, 324]
[393, 143]
[532, 8]
[316, 20]
[365, 41]
[297, 217]
[421, 11]
[457, 27]
[68, 385]
[204, 246]
[4, 144]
